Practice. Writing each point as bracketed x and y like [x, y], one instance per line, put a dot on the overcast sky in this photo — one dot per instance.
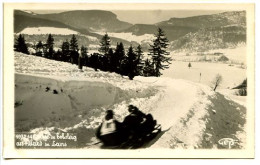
[148, 16]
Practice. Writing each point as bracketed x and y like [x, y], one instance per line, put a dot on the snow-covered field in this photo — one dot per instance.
[54, 31]
[47, 30]
[52, 96]
[146, 38]
[235, 55]
[205, 72]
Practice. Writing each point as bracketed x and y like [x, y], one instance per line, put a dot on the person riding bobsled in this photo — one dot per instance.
[110, 132]
[137, 123]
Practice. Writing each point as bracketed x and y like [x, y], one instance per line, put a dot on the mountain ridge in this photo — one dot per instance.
[203, 21]
[181, 32]
[91, 20]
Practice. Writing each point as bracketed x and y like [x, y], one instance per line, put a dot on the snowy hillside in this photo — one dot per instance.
[52, 96]
[206, 39]
[197, 33]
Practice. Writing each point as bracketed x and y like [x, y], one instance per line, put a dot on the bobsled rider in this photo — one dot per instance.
[109, 132]
[137, 123]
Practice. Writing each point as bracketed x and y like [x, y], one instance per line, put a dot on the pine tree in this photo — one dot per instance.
[58, 55]
[39, 48]
[94, 61]
[118, 58]
[103, 63]
[148, 69]
[139, 61]
[110, 56]
[130, 67]
[83, 52]
[74, 55]
[20, 44]
[104, 45]
[82, 57]
[159, 54]
[65, 49]
[74, 43]
[49, 46]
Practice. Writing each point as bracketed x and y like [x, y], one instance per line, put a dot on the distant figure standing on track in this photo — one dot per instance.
[200, 76]
[189, 65]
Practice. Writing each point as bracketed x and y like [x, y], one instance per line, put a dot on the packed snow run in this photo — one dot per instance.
[53, 96]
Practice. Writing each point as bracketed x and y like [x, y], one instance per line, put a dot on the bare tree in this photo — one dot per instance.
[216, 82]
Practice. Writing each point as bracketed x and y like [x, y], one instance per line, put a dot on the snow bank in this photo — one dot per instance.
[39, 102]
[79, 95]
[225, 119]
[34, 65]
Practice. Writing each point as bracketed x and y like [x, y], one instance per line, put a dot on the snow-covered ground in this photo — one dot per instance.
[205, 72]
[47, 30]
[52, 96]
[54, 31]
[146, 38]
[235, 55]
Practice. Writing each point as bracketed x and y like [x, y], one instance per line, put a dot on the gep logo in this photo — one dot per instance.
[227, 142]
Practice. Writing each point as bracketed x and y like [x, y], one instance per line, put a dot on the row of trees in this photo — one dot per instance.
[130, 63]
[68, 52]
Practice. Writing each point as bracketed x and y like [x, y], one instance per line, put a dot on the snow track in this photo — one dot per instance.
[180, 111]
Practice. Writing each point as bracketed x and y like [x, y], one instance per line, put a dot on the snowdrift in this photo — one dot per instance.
[52, 97]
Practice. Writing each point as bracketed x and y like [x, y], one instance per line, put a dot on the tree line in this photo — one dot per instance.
[129, 63]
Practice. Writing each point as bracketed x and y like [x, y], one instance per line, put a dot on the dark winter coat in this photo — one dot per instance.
[139, 123]
[133, 121]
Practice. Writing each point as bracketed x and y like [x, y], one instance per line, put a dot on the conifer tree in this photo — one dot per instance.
[49, 47]
[111, 64]
[104, 45]
[58, 55]
[148, 69]
[39, 48]
[131, 63]
[103, 63]
[139, 60]
[65, 49]
[74, 55]
[20, 44]
[94, 61]
[159, 54]
[118, 58]
[82, 57]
